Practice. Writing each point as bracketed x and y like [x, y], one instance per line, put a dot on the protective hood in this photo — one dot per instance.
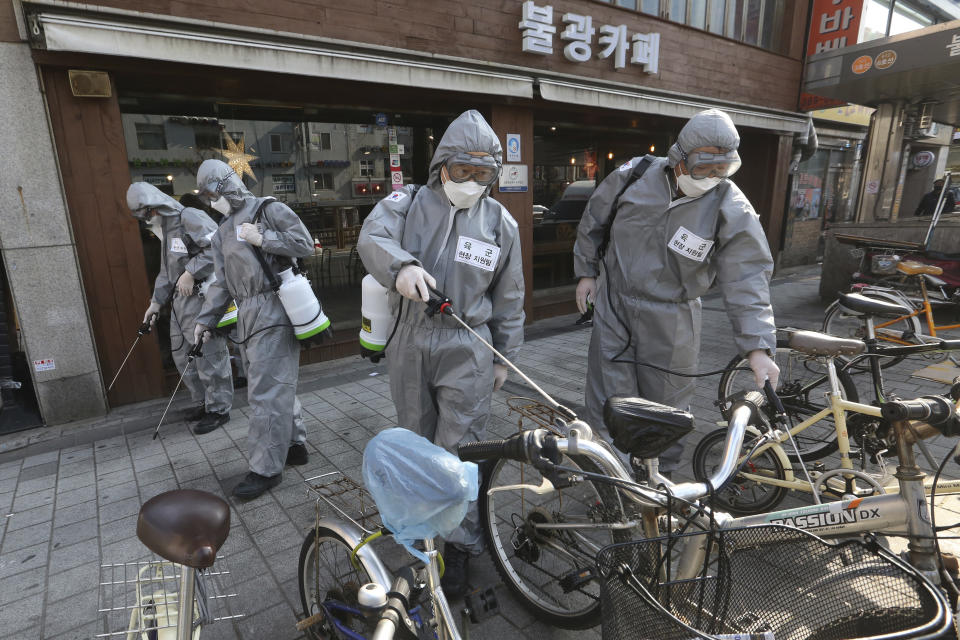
[710, 128]
[216, 176]
[469, 132]
[141, 197]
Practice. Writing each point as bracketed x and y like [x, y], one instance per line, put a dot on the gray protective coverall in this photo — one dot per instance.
[186, 246]
[662, 256]
[272, 355]
[441, 377]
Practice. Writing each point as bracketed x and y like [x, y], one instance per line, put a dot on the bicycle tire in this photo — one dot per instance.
[801, 387]
[517, 553]
[873, 622]
[735, 494]
[347, 581]
[836, 323]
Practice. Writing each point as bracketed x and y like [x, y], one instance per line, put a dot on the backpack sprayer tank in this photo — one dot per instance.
[301, 305]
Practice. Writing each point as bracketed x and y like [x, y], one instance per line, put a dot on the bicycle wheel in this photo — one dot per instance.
[740, 496]
[802, 387]
[838, 323]
[550, 570]
[329, 583]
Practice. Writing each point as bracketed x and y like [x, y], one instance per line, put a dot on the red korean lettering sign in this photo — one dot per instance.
[833, 24]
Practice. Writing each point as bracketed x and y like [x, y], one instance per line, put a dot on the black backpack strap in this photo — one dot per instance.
[638, 170]
[271, 276]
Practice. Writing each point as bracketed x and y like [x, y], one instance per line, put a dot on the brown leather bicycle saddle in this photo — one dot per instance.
[859, 304]
[185, 526]
[912, 268]
[821, 344]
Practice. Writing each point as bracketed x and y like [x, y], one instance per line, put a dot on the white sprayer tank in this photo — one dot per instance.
[375, 316]
[301, 304]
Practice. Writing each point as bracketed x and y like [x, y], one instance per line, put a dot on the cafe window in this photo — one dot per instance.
[322, 181]
[162, 182]
[151, 137]
[331, 182]
[284, 183]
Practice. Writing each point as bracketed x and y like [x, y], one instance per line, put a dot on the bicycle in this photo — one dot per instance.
[770, 474]
[903, 329]
[186, 528]
[685, 573]
[347, 590]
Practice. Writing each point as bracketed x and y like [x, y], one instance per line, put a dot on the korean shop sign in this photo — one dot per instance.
[833, 24]
[577, 37]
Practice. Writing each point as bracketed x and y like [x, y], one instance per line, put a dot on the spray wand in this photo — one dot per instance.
[142, 331]
[195, 352]
[440, 303]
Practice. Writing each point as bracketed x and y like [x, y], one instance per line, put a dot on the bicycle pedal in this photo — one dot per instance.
[573, 581]
[481, 604]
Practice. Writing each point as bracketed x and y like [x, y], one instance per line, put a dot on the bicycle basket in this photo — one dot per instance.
[884, 264]
[777, 582]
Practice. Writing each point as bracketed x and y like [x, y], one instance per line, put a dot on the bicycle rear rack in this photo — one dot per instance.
[347, 498]
[143, 597]
[535, 411]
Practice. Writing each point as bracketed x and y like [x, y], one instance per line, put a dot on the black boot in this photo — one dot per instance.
[297, 454]
[196, 414]
[254, 485]
[210, 421]
[456, 562]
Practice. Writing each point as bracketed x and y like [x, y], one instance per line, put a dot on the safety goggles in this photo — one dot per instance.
[143, 213]
[702, 164]
[481, 169]
[211, 192]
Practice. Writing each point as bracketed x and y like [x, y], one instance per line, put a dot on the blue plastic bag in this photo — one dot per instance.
[421, 490]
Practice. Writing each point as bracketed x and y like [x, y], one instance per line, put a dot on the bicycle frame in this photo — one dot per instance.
[926, 309]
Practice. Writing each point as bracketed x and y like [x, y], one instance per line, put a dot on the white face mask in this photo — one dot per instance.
[221, 205]
[155, 227]
[696, 188]
[463, 195]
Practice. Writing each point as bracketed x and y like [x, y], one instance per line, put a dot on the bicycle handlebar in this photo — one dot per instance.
[934, 410]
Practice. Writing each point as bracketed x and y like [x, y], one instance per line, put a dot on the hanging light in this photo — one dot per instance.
[653, 148]
[610, 156]
[169, 178]
[553, 128]
[573, 160]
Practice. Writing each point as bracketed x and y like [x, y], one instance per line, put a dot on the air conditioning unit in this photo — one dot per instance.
[930, 131]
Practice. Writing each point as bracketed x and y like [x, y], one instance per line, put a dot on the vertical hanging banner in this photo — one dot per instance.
[833, 24]
[396, 175]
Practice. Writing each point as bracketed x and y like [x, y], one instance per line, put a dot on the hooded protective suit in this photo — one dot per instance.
[185, 236]
[272, 355]
[663, 254]
[441, 377]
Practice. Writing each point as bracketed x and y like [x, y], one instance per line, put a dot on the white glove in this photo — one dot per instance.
[586, 292]
[499, 376]
[412, 283]
[763, 367]
[185, 284]
[201, 333]
[151, 314]
[251, 234]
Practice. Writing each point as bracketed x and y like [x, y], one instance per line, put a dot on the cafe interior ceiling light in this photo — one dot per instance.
[610, 156]
[653, 148]
[573, 161]
[238, 158]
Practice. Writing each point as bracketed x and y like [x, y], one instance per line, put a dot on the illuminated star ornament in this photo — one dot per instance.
[238, 158]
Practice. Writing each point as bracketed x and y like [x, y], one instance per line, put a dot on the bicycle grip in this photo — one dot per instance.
[483, 450]
[513, 448]
[931, 409]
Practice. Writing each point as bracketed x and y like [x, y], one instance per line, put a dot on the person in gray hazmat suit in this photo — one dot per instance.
[455, 237]
[276, 434]
[185, 260]
[680, 228]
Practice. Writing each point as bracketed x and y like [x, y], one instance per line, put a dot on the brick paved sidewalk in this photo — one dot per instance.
[69, 495]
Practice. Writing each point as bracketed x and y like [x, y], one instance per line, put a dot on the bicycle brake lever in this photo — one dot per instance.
[545, 487]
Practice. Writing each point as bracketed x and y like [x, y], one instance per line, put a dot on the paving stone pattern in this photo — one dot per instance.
[69, 502]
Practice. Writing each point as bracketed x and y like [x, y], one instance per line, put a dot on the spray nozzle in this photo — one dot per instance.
[438, 303]
[196, 352]
[144, 329]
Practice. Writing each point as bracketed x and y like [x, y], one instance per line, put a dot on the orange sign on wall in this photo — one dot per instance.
[833, 24]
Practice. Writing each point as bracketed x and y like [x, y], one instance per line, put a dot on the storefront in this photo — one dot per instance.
[329, 125]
